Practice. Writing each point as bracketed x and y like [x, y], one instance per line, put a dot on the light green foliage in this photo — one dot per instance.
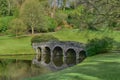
[60, 17]
[33, 16]
[17, 27]
[52, 24]
[4, 23]
[75, 17]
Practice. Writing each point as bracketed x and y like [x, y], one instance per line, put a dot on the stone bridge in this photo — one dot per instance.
[59, 54]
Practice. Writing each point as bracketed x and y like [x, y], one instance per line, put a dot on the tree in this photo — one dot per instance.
[3, 8]
[17, 27]
[33, 14]
[98, 13]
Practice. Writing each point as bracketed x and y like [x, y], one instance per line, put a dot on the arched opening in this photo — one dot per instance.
[47, 55]
[82, 55]
[39, 53]
[58, 56]
[70, 57]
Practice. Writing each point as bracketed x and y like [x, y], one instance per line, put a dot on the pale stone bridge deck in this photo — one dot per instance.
[59, 54]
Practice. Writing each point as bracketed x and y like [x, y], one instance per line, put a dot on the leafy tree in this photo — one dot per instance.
[9, 7]
[3, 8]
[97, 13]
[33, 14]
[17, 27]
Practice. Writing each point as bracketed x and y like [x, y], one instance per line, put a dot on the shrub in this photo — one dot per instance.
[43, 38]
[17, 27]
[4, 23]
[96, 46]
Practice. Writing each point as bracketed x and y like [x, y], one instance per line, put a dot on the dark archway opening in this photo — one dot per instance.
[47, 55]
[82, 55]
[39, 54]
[70, 57]
[58, 56]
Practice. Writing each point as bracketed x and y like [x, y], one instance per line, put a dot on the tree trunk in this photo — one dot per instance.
[16, 34]
[54, 9]
[32, 30]
[9, 7]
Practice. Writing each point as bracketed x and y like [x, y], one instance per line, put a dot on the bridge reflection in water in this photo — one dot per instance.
[58, 54]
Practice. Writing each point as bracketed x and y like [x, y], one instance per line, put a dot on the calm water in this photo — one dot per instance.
[16, 69]
[11, 69]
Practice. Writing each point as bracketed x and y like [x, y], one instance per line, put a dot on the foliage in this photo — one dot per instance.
[52, 24]
[60, 17]
[3, 8]
[4, 23]
[97, 46]
[43, 38]
[10, 7]
[17, 27]
[74, 17]
[103, 13]
[22, 45]
[33, 16]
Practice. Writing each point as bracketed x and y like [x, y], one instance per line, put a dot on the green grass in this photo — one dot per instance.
[11, 45]
[18, 57]
[99, 67]
[84, 36]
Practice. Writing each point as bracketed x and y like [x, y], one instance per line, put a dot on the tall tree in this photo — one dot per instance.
[98, 13]
[3, 8]
[32, 13]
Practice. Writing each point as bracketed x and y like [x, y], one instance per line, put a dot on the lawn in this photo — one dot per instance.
[99, 67]
[12, 45]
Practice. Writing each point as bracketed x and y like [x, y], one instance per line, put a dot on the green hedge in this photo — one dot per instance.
[97, 46]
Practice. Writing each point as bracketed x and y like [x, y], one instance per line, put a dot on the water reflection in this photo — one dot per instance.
[58, 60]
[46, 58]
[19, 69]
[47, 55]
[70, 57]
[58, 56]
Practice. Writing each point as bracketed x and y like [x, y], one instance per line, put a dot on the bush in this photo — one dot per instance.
[43, 38]
[96, 46]
[17, 27]
[4, 22]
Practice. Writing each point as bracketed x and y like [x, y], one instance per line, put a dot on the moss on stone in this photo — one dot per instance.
[43, 38]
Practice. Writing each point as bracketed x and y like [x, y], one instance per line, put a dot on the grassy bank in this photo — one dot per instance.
[99, 67]
[11, 45]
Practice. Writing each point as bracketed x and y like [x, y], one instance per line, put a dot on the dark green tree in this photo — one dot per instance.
[3, 8]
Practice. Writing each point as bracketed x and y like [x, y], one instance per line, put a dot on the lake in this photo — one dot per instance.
[17, 69]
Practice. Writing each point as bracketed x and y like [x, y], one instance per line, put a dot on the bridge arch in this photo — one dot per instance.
[82, 55]
[58, 56]
[47, 55]
[70, 57]
[39, 54]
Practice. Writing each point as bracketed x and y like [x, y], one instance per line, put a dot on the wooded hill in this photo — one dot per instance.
[33, 16]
